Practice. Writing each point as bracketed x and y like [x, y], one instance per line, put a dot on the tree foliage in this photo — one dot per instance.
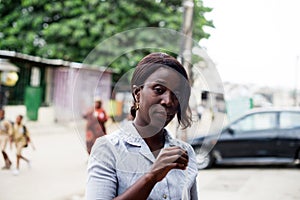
[70, 29]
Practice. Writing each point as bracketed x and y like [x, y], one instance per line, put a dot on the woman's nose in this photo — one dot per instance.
[167, 98]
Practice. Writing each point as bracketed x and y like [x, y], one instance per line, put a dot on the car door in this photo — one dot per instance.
[288, 141]
[251, 136]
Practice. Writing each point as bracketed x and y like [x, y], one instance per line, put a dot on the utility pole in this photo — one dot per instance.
[187, 31]
[186, 47]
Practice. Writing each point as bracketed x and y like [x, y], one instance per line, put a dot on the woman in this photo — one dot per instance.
[95, 127]
[142, 160]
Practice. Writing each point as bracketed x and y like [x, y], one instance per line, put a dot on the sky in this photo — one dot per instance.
[255, 41]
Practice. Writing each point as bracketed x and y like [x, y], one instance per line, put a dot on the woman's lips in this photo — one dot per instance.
[165, 115]
[161, 113]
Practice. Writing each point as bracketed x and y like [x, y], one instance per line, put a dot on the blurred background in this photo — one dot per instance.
[55, 58]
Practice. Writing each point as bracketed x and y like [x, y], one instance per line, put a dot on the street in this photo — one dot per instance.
[248, 183]
[58, 166]
[59, 163]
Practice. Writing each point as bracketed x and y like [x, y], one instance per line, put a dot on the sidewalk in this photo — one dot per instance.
[58, 168]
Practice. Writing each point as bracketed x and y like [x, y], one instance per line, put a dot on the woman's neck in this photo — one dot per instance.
[155, 141]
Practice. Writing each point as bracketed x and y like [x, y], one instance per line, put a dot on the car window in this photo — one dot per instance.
[289, 120]
[259, 121]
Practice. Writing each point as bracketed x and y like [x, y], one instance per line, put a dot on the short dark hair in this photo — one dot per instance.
[148, 65]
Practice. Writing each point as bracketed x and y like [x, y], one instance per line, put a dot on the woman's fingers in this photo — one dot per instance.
[168, 159]
[173, 155]
[177, 159]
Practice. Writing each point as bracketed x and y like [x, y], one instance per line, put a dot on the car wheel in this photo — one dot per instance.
[204, 159]
[298, 159]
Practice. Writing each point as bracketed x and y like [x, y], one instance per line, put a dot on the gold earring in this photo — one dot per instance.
[136, 105]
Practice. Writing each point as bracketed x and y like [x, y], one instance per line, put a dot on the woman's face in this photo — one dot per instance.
[158, 99]
[97, 104]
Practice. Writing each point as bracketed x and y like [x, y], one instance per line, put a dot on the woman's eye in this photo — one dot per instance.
[159, 89]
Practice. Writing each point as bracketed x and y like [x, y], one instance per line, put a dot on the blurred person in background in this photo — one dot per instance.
[5, 136]
[96, 119]
[22, 139]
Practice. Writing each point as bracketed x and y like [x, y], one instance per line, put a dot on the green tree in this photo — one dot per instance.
[70, 29]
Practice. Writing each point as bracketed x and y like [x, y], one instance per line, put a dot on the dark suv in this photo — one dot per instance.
[262, 136]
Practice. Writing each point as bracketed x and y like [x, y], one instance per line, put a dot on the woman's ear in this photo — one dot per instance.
[136, 93]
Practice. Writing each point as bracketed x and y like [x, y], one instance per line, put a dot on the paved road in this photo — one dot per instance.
[250, 183]
[58, 166]
[59, 170]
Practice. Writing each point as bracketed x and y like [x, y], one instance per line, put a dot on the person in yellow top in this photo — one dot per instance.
[5, 135]
[21, 139]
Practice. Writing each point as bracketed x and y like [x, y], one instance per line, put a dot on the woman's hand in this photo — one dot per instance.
[168, 159]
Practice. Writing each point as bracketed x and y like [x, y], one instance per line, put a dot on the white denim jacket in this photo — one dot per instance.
[119, 159]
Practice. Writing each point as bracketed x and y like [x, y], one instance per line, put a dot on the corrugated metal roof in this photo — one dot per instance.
[6, 66]
[39, 61]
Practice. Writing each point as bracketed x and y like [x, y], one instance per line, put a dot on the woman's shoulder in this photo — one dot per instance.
[109, 145]
[110, 139]
[113, 138]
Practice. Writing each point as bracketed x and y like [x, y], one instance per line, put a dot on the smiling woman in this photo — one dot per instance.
[142, 160]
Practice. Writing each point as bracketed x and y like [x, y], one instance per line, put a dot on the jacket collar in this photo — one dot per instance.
[131, 136]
